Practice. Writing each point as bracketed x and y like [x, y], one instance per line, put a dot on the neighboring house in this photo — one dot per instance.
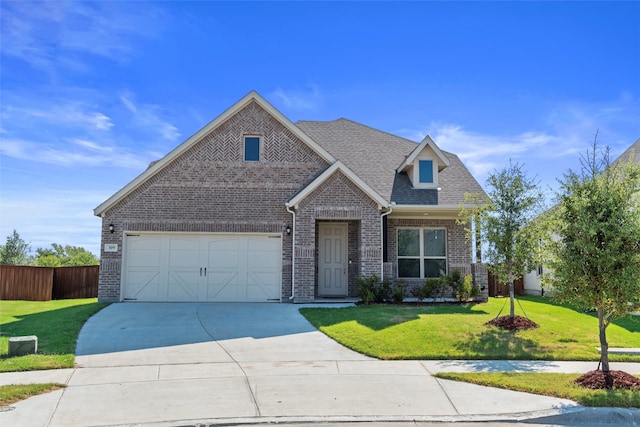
[532, 280]
[256, 208]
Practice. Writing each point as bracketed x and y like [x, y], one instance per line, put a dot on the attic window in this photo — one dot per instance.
[251, 148]
[425, 171]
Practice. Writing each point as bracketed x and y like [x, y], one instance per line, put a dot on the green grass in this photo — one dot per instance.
[557, 385]
[13, 393]
[55, 323]
[459, 331]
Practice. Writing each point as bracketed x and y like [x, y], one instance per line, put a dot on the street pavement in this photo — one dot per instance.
[183, 364]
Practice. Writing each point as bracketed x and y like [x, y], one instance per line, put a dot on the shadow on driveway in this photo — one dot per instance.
[136, 326]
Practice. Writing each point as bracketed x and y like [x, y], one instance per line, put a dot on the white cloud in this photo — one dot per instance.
[96, 155]
[72, 114]
[546, 152]
[296, 99]
[58, 35]
[149, 117]
[94, 146]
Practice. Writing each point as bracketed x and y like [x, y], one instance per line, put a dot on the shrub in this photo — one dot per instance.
[382, 290]
[366, 286]
[398, 293]
[433, 287]
[372, 289]
[463, 287]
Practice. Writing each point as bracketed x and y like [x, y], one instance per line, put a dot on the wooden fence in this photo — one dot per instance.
[502, 290]
[18, 282]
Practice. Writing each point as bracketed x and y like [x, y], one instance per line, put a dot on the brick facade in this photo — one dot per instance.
[459, 251]
[209, 188]
[337, 199]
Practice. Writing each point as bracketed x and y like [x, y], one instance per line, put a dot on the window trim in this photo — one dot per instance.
[422, 257]
[416, 172]
[244, 147]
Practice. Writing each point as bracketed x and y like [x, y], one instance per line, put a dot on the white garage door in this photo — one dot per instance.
[211, 267]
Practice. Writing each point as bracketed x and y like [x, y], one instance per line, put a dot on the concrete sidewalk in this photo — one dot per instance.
[199, 371]
[259, 392]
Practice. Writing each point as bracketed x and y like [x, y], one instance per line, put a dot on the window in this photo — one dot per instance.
[422, 252]
[425, 171]
[251, 148]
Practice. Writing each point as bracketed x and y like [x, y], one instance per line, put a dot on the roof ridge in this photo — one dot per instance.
[359, 124]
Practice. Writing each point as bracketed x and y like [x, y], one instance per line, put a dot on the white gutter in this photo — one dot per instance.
[293, 253]
[391, 205]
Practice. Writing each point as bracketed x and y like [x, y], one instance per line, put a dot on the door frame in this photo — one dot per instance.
[344, 259]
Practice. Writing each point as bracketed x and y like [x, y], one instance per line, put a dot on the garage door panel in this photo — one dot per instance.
[263, 285]
[203, 267]
[263, 260]
[183, 285]
[222, 286]
[143, 285]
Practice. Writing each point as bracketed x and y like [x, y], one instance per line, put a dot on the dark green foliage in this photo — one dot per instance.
[398, 293]
[15, 251]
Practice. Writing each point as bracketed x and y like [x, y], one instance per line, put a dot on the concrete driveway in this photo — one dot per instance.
[180, 364]
[133, 334]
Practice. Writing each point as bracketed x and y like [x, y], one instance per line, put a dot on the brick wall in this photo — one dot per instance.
[337, 199]
[209, 188]
[458, 248]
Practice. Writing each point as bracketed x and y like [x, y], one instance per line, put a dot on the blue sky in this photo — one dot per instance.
[91, 93]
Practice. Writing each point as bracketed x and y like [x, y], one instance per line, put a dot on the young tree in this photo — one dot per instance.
[596, 260]
[15, 251]
[60, 256]
[513, 202]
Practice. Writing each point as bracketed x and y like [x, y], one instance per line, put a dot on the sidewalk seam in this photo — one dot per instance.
[446, 394]
[244, 373]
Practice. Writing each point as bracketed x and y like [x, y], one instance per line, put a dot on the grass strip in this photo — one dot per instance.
[55, 323]
[547, 384]
[10, 394]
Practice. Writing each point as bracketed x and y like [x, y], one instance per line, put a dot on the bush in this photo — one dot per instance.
[463, 287]
[382, 291]
[372, 289]
[398, 293]
[419, 292]
[434, 287]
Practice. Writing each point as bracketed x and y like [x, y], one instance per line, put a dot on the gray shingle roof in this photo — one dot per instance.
[634, 151]
[374, 156]
[405, 194]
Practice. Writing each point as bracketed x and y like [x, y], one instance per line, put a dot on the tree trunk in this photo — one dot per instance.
[604, 346]
[512, 308]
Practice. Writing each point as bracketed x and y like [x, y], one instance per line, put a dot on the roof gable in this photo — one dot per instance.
[159, 165]
[427, 146]
[337, 166]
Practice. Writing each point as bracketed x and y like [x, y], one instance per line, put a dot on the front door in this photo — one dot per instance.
[332, 259]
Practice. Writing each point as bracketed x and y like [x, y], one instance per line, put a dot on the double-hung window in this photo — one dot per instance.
[422, 252]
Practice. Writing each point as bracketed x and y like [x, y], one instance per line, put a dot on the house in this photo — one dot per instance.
[254, 207]
[533, 279]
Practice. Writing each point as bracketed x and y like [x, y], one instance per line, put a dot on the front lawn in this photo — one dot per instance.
[10, 394]
[557, 385]
[55, 323]
[459, 331]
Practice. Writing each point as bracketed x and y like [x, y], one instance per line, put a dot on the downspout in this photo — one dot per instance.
[382, 239]
[293, 254]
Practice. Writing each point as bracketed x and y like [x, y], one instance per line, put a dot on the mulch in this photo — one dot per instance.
[514, 323]
[611, 380]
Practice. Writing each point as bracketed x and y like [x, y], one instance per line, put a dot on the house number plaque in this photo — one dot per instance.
[111, 247]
